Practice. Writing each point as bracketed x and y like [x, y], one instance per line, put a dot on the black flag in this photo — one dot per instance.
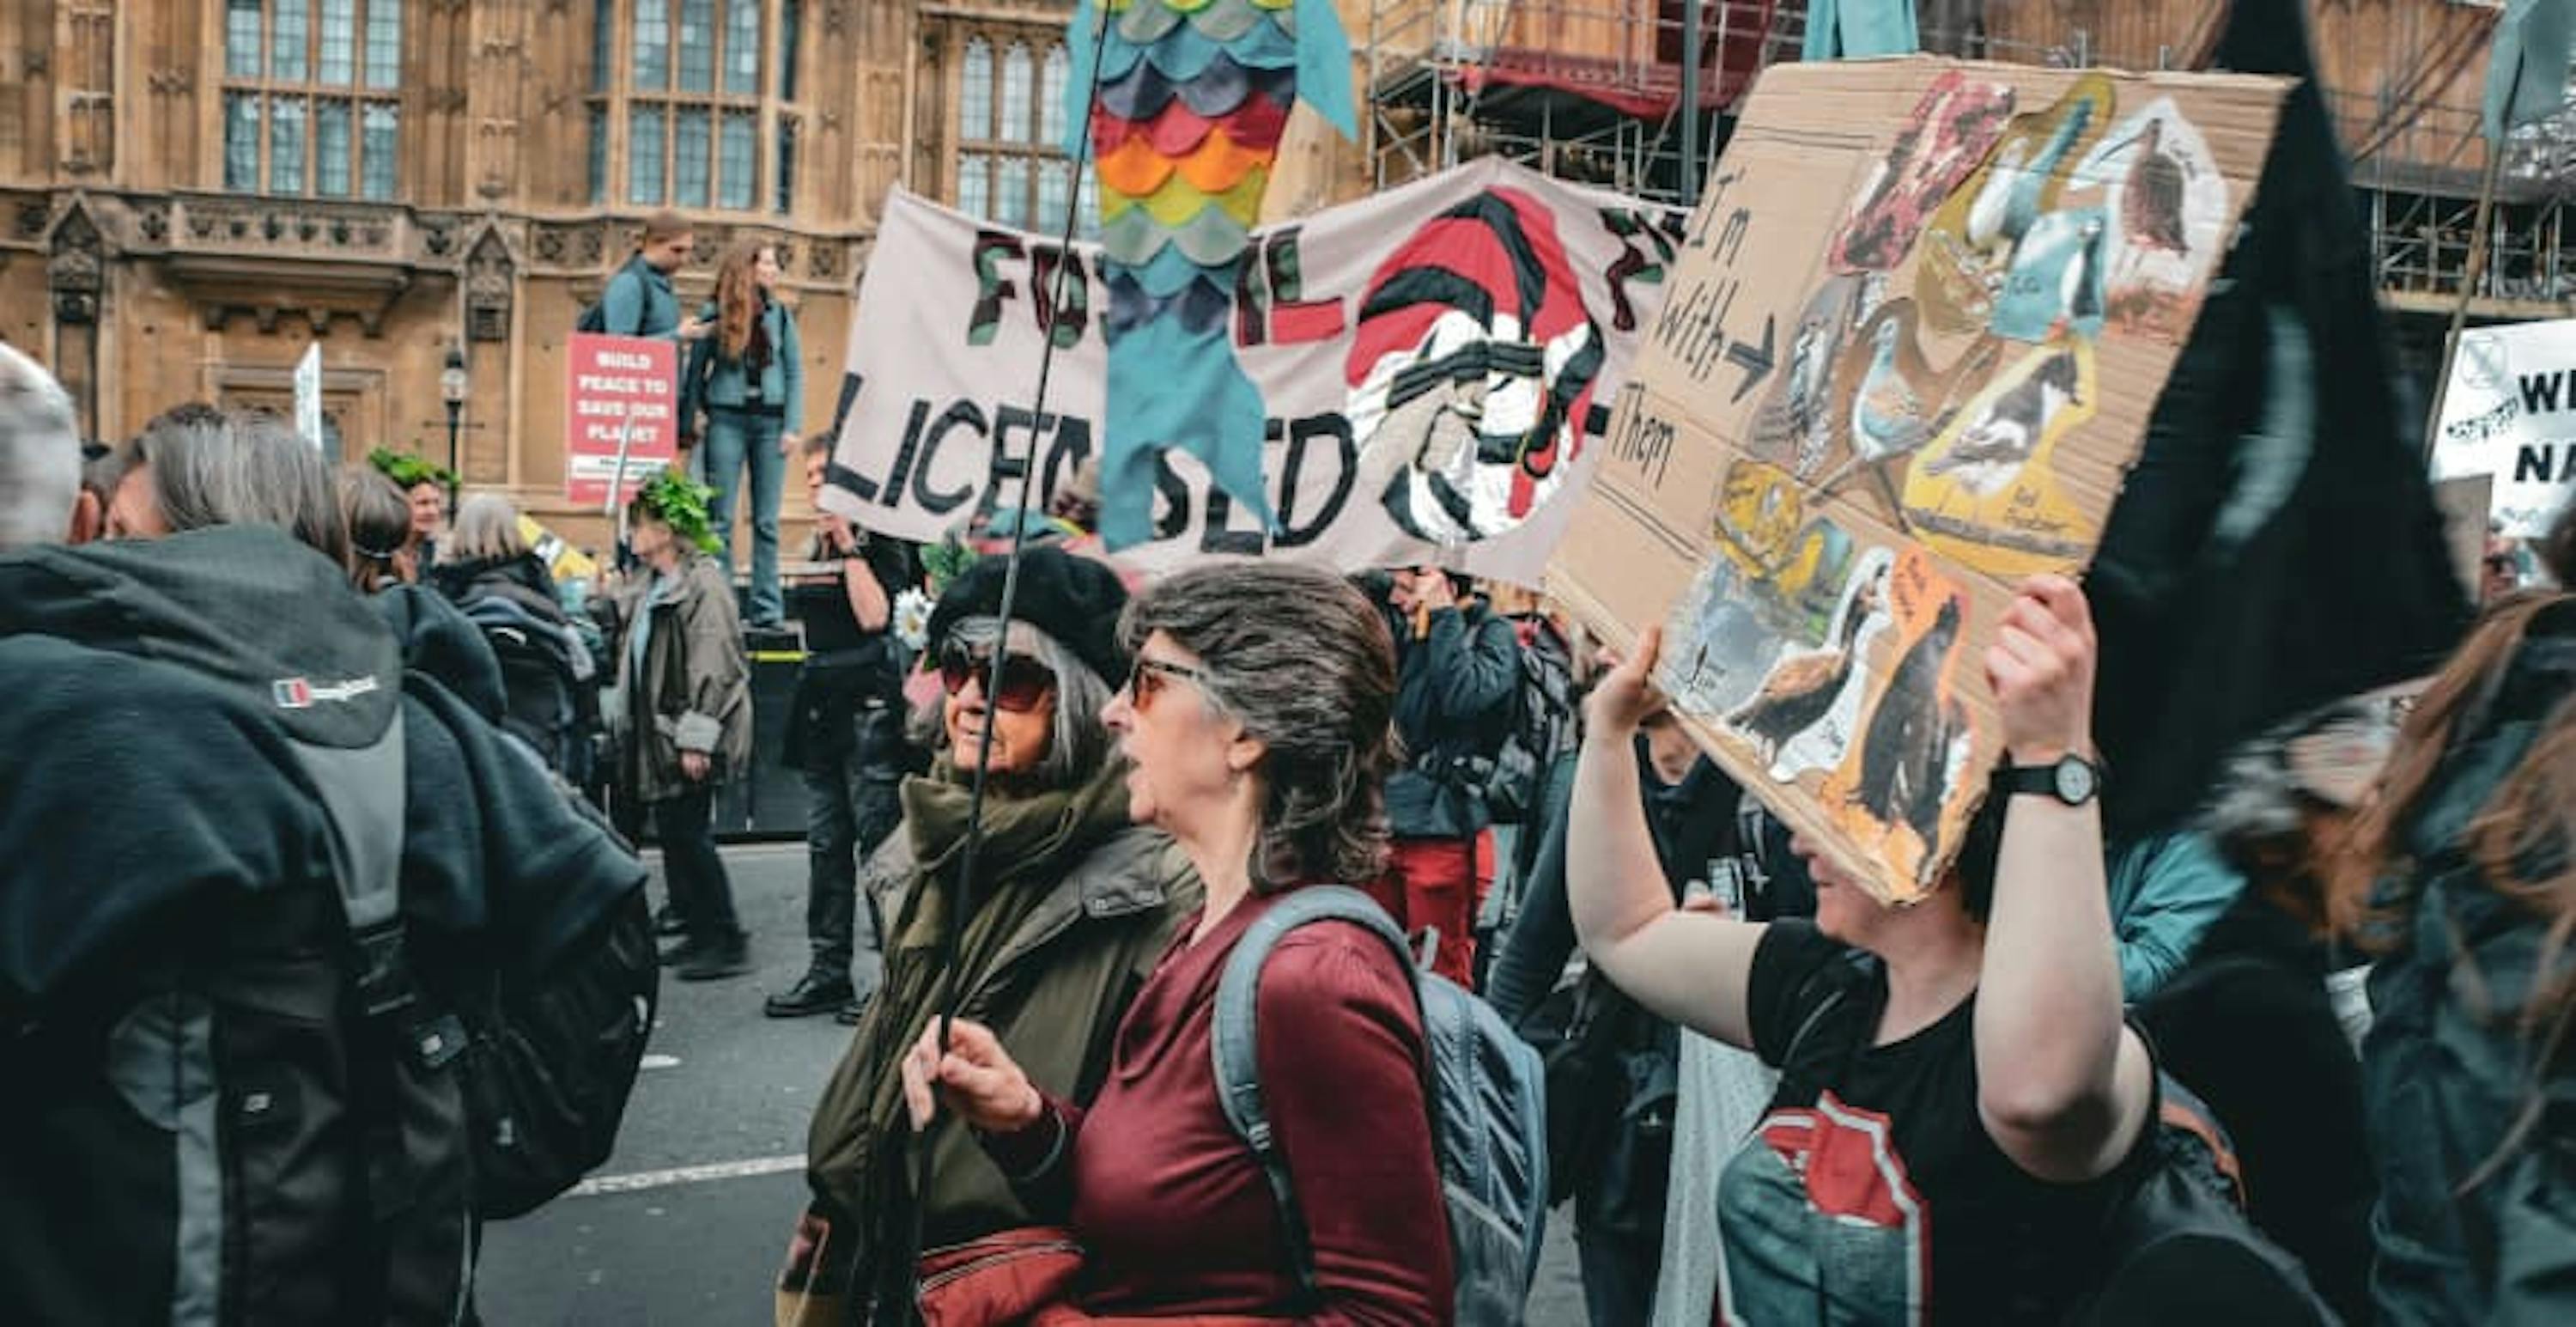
[2277, 545]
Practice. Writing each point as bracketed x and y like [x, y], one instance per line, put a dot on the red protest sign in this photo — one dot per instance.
[618, 386]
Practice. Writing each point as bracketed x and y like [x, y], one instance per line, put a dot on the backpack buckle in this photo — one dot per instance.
[384, 980]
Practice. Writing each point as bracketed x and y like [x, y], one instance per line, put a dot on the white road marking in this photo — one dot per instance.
[659, 1062]
[599, 1185]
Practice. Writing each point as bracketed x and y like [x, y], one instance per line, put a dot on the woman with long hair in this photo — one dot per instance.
[1258, 722]
[749, 379]
[2464, 875]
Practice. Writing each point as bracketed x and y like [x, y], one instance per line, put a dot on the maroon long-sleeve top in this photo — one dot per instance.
[1173, 1212]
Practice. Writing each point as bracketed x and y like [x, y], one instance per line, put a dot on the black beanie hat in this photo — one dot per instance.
[1074, 599]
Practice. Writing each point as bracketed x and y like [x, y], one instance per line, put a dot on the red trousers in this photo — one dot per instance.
[1437, 884]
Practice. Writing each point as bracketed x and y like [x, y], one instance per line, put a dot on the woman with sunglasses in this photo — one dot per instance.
[1071, 906]
[1258, 718]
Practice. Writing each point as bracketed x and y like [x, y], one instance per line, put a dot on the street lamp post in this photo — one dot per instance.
[451, 387]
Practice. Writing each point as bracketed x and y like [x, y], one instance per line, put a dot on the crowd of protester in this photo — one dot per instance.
[2323, 1024]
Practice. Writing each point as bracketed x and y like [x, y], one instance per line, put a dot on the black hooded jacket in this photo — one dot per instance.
[155, 691]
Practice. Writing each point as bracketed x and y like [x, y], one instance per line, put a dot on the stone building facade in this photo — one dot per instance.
[194, 191]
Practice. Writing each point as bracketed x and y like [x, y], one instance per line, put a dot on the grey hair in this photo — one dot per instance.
[1305, 663]
[487, 530]
[1078, 743]
[40, 454]
[244, 468]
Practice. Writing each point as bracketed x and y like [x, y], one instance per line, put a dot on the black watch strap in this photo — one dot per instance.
[2070, 779]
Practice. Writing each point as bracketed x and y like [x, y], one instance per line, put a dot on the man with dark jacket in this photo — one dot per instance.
[846, 736]
[228, 740]
[1458, 669]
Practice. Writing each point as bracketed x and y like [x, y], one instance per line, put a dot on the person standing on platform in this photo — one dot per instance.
[749, 380]
[639, 300]
[846, 737]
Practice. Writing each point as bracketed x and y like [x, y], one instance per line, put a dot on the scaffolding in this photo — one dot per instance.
[1590, 91]
[1585, 90]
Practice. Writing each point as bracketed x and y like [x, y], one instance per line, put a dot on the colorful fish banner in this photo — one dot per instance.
[1434, 368]
[1975, 279]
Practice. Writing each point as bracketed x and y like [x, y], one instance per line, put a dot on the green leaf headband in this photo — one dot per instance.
[408, 470]
[682, 505]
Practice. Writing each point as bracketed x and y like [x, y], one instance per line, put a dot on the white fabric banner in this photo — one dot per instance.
[1438, 364]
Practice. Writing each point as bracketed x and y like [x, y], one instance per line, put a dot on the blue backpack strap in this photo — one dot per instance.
[1235, 1045]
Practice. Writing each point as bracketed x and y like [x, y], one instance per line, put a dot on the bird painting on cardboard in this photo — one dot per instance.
[1795, 427]
[2001, 437]
[2009, 204]
[2151, 198]
[1820, 689]
[1907, 755]
[1899, 404]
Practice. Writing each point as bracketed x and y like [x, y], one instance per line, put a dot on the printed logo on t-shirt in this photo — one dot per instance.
[1821, 1223]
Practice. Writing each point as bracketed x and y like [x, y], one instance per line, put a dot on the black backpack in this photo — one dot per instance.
[281, 1106]
[1540, 725]
[553, 1053]
[539, 681]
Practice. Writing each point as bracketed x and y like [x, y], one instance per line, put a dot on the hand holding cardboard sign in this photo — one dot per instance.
[2041, 668]
[1626, 694]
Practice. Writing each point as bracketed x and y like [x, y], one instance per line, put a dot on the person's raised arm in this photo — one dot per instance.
[2062, 1085]
[866, 594]
[1541, 935]
[1693, 968]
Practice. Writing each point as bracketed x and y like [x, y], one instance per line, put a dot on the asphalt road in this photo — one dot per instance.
[686, 1224]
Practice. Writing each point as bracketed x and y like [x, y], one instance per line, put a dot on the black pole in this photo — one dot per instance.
[1691, 23]
[455, 410]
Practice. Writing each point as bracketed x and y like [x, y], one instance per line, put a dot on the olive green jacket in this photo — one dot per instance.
[1054, 995]
[692, 691]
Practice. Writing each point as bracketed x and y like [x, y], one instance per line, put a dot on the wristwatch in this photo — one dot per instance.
[2072, 780]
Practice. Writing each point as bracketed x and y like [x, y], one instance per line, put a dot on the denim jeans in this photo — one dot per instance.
[851, 805]
[735, 437]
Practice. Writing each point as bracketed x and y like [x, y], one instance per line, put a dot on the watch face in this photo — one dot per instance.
[2075, 781]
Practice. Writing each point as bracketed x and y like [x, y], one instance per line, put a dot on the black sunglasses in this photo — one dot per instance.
[1024, 682]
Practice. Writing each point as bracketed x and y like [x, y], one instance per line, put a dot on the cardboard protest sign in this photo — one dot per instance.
[618, 386]
[1911, 345]
[2510, 412]
[1436, 362]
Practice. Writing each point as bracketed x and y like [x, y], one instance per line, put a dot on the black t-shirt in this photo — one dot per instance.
[831, 628]
[845, 664]
[1871, 1192]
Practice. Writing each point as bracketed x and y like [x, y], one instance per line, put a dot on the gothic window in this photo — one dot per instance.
[1011, 165]
[682, 89]
[312, 97]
